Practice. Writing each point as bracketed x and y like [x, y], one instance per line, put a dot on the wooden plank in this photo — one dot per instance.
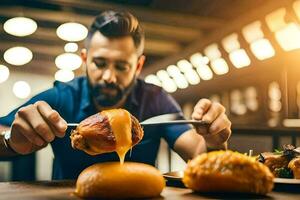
[53, 190]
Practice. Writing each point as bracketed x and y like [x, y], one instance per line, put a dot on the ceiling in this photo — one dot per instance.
[169, 27]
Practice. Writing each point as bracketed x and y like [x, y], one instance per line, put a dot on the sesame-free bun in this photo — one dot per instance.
[115, 181]
[227, 171]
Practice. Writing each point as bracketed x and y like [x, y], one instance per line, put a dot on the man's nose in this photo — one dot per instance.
[109, 76]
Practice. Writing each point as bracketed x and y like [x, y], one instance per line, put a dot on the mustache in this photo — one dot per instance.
[107, 86]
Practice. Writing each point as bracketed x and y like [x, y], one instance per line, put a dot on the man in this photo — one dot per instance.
[113, 59]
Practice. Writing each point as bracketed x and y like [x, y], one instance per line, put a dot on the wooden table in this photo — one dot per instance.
[55, 190]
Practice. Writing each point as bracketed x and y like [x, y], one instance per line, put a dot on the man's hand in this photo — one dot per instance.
[34, 127]
[219, 130]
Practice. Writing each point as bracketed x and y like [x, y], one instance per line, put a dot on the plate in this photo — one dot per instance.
[287, 181]
[178, 175]
[174, 178]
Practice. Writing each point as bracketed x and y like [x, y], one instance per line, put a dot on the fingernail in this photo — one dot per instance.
[39, 142]
[63, 125]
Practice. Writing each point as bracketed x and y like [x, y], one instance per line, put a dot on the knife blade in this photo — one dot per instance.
[165, 119]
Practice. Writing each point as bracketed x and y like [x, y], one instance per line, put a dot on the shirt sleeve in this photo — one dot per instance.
[170, 133]
[50, 96]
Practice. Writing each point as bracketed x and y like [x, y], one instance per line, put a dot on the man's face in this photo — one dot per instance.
[112, 66]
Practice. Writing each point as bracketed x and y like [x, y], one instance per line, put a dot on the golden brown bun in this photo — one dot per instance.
[294, 165]
[227, 171]
[113, 181]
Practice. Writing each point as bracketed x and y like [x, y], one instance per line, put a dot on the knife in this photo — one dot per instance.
[165, 119]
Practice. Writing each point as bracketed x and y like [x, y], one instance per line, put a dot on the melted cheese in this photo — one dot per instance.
[120, 122]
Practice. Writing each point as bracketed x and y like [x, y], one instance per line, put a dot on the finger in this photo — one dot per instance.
[37, 122]
[26, 130]
[56, 121]
[221, 123]
[201, 108]
[219, 138]
[214, 111]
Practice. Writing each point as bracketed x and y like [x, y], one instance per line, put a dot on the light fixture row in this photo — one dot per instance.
[199, 66]
[20, 55]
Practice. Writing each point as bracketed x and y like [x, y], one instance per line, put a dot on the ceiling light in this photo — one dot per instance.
[178, 77]
[68, 61]
[231, 43]
[21, 89]
[296, 6]
[72, 32]
[212, 51]
[162, 74]
[275, 106]
[167, 83]
[153, 80]
[184, 65]
[71, 47]
[239, 58]
[289, 37]
[192, 77]
[64, 75]
[253, 32]
[4, 73]
[276, 19]
[197, 59]
[274, 92]
[204, 72]
[20, 26]
[18, 55]
[262, 49]
[219, 66]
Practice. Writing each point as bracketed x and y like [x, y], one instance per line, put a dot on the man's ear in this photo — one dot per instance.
[140, 64]
[83, 55]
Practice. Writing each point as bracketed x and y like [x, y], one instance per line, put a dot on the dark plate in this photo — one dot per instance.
[175, 179]
[288, 181]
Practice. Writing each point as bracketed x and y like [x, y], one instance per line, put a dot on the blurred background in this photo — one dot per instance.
[244, 54]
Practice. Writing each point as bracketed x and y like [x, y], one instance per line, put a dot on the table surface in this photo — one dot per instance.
[54, 190]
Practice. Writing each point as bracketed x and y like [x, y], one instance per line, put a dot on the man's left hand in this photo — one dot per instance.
[219, 130]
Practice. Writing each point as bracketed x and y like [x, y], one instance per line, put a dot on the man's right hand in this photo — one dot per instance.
[34, 127]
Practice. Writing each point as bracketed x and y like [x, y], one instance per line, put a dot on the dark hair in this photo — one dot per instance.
[113, 24]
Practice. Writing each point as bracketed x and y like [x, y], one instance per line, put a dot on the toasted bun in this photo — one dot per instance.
[227, 171]
[115, 181]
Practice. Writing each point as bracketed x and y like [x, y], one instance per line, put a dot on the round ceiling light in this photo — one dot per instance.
[68, 61]
[71, 47]
[4, 73]
[72, 32]
[18, 55]
[21, 89]
[64, 75]
[20, 26]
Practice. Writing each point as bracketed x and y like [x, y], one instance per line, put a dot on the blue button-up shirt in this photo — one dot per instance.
[73, 102]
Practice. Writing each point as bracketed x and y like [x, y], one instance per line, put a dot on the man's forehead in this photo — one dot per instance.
[123, 44]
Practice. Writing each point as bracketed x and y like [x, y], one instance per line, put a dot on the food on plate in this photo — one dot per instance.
[115, 181]
[227, 171]
[283, 164]
[107, 131]
[294, 165]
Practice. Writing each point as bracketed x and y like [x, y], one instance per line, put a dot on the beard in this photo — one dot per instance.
[109, 94]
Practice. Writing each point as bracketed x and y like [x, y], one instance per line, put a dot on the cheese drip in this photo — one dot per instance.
[120, 122]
